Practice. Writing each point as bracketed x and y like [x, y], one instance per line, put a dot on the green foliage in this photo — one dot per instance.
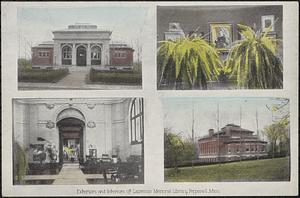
[191, 60]
[278, 133]
[20, 162]
[119, 77]
[177, 150]
[283, 109]
[42, 75]
[189, 150]
[276, 169]
[24, 64]
[254, 60]
[137, 67]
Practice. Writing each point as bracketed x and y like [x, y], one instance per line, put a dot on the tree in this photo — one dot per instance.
[177, 150]
[189, 150]
[189, 60]
[24, 64]
[281, 108]
[254, 60]
[277, 133]
[173, 149]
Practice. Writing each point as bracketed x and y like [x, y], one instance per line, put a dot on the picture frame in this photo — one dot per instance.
[272, 34]
[267, 21]
[221, 35]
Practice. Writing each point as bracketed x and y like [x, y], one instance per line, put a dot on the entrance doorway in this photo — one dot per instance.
[81, 56]
[70, 140]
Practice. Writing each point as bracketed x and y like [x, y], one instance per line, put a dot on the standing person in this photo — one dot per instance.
[72, 155]
[41, 154]
[65, 152]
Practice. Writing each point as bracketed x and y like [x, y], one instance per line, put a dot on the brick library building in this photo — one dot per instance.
[83, 45]
[231, 143]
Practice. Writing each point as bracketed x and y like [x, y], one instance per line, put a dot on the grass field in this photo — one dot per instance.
[255, 170]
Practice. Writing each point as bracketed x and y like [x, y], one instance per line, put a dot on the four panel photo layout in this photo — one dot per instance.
[200, 52]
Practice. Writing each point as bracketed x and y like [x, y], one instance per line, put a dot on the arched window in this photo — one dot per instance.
[137, 121]
[96, 53]
[67, 52]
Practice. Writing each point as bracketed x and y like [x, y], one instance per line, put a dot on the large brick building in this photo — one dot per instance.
[83, 45]
[229, 144]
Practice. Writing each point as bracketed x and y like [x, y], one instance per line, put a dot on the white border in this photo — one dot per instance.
[154, 175]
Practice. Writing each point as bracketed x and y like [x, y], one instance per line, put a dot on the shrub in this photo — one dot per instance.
[42, 75]
[24, 64]
[123, 77]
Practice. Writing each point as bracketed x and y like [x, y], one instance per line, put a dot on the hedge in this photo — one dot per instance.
[119, 77]
[42, 75]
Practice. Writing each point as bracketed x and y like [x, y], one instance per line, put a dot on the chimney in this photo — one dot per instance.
[211, 132]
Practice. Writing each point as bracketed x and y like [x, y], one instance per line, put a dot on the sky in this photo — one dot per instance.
[35, 25]
[178, 114]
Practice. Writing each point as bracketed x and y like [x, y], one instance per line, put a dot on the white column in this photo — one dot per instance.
[105, 53]
[108, 129]
[73, 54]
[102, 55]
[88, 55]
[57, 54]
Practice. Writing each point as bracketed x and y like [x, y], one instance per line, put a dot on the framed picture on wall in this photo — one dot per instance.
[272, 35]
[221, 35]
[266, 22]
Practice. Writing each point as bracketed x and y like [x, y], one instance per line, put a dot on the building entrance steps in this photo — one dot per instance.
[70, 174]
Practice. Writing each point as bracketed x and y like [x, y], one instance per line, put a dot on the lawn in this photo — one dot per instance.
[255, 170]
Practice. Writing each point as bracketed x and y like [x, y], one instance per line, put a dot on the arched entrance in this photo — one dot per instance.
[71, 127]
[70, 140]
[81, 56]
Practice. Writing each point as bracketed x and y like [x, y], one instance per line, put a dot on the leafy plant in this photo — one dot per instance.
[174, 148]
[190, 60]
[24, 64]
[254, 60]
[20, 162]
[277, 132]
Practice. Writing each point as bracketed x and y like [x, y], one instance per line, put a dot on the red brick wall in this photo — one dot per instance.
[42, 60]
[125, 60]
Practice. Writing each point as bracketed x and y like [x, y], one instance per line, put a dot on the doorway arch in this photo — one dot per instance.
[71, 140]
[71, 128]
[81, 56]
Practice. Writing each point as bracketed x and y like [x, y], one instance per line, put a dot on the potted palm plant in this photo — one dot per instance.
[20, 163]
[188, 62]
[254, 60]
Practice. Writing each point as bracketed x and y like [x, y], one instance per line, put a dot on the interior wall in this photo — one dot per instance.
[121, 131]
[200, 16]
[111, 126]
